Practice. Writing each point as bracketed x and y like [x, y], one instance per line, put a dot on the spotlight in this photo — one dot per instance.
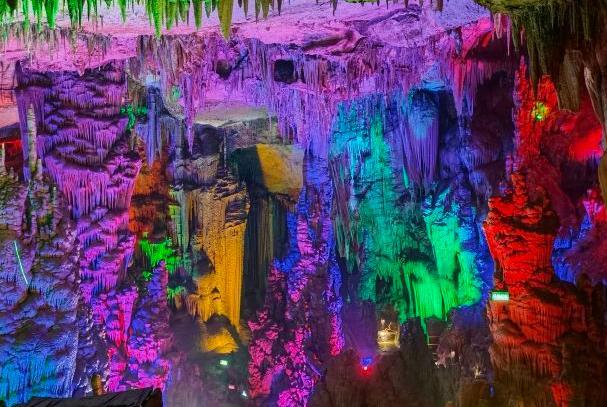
[365, 363]
[244, 394]
[223, 362]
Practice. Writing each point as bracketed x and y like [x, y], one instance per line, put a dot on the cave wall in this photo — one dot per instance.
[299, 326]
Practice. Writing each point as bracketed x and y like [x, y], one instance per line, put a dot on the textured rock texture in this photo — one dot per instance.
[404, 378]
[39, 340]
[535, 331]
[299, 326]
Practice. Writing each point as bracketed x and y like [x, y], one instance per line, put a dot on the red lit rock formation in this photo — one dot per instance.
[548, 338]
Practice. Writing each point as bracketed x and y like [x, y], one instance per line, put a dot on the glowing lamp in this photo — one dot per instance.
[365, 363]
[244, 394]
[223, 362]
[539, 112]
[502, 296]
[231, 387]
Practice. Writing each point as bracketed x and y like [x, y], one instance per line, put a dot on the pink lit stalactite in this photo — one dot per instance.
[324, 74]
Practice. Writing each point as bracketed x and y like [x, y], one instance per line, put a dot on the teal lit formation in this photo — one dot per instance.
[133, 113]
[155, 253]
[175, 93]
[410, 254]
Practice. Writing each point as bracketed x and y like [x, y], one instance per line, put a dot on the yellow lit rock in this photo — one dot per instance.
[278, 168]
[221, 213]
[281, 168]
[218, 342]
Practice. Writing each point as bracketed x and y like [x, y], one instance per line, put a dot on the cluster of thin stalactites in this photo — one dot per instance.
[167, 13]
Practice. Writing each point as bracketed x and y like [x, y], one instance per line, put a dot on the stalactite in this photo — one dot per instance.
[180, 215]
[153, 140]
[2, 160]
[454, 238]
[29, 102]
[266, 235]
[384, 238]
[305, 113]
[31, 140]
[221, 212]
[420, 137]
[405, 219]
[95, 170]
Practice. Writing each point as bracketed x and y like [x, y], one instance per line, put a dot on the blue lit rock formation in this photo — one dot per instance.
[39, 337]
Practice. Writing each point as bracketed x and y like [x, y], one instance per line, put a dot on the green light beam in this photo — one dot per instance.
[19, 260]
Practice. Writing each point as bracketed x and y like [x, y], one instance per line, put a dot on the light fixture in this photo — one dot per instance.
[366, 364]
[223, 362]
[539, 111]
[502, 296]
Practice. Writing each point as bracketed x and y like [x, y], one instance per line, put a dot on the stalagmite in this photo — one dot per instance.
[535, 329]
[2, 160]
[45, 362]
